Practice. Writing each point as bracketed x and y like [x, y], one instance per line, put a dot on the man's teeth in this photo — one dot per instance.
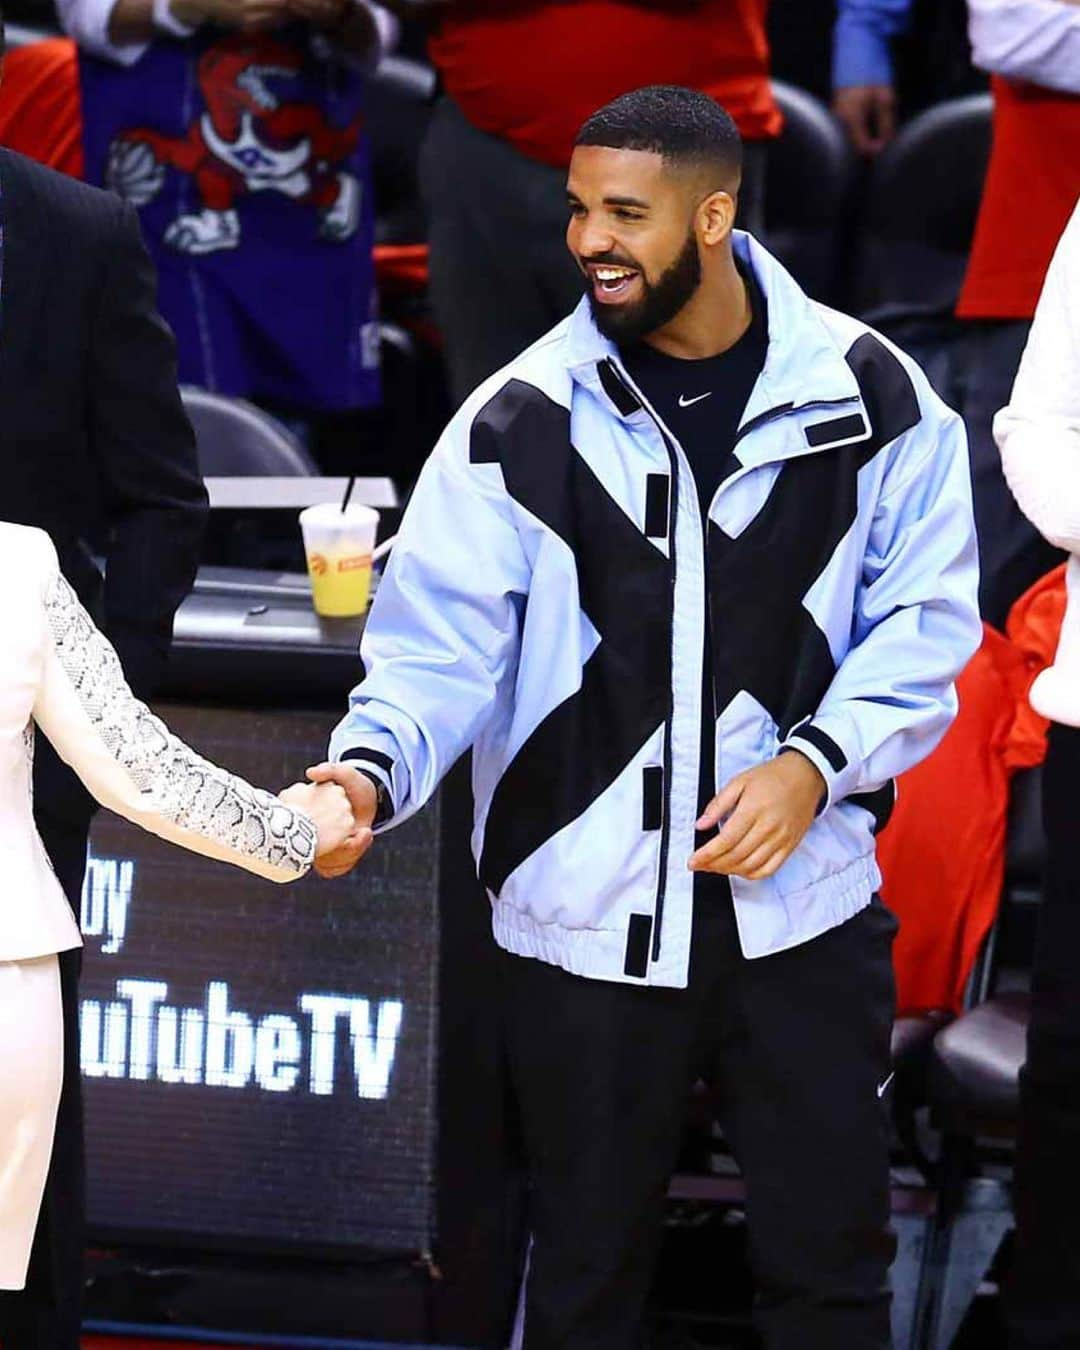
[613, 273]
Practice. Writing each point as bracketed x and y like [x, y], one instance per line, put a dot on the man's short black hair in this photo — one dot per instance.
[682, 125]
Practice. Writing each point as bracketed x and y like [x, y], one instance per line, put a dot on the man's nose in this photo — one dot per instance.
[595, 241]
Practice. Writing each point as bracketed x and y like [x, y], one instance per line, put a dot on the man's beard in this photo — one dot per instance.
[625, 324]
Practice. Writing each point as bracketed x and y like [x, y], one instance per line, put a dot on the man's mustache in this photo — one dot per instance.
[609, 260]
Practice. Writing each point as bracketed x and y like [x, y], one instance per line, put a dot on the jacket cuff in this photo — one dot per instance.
[826, 756]
[88, 24]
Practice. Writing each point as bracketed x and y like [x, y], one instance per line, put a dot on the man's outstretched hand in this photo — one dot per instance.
[364, 802]
[768, 811]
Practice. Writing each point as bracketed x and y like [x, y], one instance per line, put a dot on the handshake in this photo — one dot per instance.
[342, 803]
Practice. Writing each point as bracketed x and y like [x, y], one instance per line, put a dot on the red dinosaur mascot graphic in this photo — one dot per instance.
[249, 139]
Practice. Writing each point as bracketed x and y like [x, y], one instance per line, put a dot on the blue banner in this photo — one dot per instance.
[246, 158]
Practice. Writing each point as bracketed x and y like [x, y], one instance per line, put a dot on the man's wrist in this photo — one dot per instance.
[814, 777]
[384, 806]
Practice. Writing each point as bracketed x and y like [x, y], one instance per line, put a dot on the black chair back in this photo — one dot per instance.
[807, 190]
[236, 439]
[399, 99]
[921, 205]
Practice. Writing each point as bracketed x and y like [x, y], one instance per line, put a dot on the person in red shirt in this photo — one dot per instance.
[1031, 48]
[40, 114]
[519, 78]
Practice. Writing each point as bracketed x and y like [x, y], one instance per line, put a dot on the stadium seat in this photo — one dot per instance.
[921, 204]
[399, 100]
[974, 1093]
[236, 439]
[976, 1066]
[976, 1061]
[807, 189]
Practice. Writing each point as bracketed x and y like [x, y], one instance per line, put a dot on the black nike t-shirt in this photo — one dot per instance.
[702, 403]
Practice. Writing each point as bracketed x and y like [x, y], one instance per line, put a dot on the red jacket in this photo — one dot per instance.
[1031, 188]
[532, 73]
[40, 110]
[942, 854]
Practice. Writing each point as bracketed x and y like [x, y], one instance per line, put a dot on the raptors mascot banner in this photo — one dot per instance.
[246, 158]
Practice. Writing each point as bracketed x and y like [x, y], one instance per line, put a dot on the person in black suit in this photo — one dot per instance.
[96, 449]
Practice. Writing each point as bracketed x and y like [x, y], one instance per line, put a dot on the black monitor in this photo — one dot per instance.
[259, 1060]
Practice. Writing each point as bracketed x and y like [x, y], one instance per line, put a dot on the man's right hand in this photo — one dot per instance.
[364, 802]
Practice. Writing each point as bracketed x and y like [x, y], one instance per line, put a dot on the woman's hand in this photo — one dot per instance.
[328, 806]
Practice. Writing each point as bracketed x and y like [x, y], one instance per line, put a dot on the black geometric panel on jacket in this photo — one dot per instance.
[583, 745]
[765, 640]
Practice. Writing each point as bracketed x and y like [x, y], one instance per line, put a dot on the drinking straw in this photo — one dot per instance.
[348, 494]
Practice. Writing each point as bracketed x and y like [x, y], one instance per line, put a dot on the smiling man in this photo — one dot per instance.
[694, 576]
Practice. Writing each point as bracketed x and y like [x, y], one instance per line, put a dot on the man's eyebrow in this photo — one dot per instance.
[635, 202]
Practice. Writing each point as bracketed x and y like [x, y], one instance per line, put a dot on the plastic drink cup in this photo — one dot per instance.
[338, 545]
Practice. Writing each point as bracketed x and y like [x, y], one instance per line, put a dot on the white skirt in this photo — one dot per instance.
[31, 1068]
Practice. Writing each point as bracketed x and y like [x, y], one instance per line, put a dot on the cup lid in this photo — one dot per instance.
[330, 514]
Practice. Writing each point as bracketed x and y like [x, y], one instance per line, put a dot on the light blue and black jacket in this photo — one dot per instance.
[545, 604]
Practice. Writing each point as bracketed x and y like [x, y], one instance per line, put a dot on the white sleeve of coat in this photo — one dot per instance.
[1035, 40]
[132, 763]
[387, 28]
[916, 622]
[1038, 432]
[87, 21]
[443, 632]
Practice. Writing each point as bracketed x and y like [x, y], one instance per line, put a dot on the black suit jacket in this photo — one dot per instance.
[95, 446]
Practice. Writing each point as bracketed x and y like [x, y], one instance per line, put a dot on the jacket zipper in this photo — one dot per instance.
[673, 511]
[781, 410]
[772, 415]
[665, 824]
[762, 419]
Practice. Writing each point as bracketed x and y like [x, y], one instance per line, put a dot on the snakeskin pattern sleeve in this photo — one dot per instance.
[180, 785]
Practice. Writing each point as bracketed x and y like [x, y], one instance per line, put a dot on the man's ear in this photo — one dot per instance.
[716, 216]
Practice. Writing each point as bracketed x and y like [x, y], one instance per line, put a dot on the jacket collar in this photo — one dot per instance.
[803, 364]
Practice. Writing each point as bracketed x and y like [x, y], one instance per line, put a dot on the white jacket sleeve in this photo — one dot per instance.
[1038, 433]
[387, 29]
[1034, 40]
[131, 762]
[443, 630]
[87, 21]
[916, 622]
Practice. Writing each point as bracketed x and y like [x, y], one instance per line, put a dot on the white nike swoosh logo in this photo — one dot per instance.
[883, 1086]
[689, 402]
